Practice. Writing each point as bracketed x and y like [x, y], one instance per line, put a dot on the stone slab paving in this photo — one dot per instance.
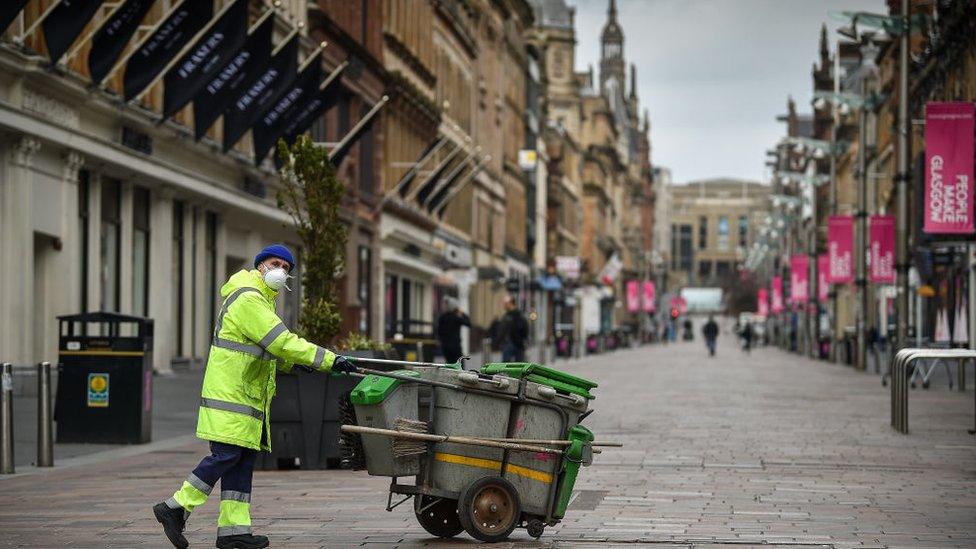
[760, 450]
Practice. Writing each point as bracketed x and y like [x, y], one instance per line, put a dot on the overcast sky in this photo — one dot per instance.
[714, 74]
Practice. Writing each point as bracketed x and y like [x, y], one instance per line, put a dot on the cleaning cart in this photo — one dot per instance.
[490, 450]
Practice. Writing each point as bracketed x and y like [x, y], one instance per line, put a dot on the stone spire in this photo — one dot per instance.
[633, 81]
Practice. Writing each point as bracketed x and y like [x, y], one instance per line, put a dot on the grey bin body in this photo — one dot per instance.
[400, 403]
[455, 466]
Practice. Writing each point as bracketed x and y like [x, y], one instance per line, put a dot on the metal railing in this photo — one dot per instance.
[45, 430]
[900, 380]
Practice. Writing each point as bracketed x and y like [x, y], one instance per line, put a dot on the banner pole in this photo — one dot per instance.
[37, 22]
[444, 181]
[443, 163]
[79, 43]
[312, 56]
[412, 171]
[447, 199]
[365, 120]
[125, 58]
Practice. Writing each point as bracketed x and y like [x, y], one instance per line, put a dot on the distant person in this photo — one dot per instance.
[513, 332]
[747, 335]
[449, 329]
[710, 332]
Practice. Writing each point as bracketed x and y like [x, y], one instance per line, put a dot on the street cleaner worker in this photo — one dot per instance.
[249, 344]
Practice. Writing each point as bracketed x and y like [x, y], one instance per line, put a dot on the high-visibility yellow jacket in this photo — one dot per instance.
[250, 343]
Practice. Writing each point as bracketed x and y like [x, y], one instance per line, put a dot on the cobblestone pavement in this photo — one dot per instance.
[766, 449]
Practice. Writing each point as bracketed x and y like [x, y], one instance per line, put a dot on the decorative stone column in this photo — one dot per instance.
[161, 284]
[17, 249]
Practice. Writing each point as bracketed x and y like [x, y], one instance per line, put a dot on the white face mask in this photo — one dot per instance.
[277, 278]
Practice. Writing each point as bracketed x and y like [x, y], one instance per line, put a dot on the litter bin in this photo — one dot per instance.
[104, 379]
[306, 416]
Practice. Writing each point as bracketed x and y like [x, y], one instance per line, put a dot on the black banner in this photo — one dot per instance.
[267, 130]
[309, 112]
[408, 178]
[439, 196]
[209, 55]
[213, 99]
[338, 154]
[9, 9]
[261, 93]
[64, 24]
[428, 184]
[168, 39]
[110, 40]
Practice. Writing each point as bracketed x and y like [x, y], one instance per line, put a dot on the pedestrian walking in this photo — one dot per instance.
[249, 343]
[449, 329]
[747, 335]
[513, 332]
[710, 333]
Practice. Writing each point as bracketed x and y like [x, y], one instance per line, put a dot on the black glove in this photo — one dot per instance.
[343, 365]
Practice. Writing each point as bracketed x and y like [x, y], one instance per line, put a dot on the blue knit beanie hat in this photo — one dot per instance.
[275, 250]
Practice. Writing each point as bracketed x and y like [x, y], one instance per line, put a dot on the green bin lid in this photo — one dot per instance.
[373, 389]
[561, 381]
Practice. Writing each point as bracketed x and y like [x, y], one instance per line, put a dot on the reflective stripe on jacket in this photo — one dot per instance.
[250, 342]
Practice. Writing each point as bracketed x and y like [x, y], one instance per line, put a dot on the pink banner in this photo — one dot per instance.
[823, 286]
[680, 303]
[650, 297]
[799, 278]
[633, 296]
[882, 232]
[840, 247]
[949, 168]
[762, 307]
[777, 305]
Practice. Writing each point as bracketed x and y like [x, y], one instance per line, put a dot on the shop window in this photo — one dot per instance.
[210, 244]
[365, 269]
[140, 251]
[702, 232]
[176, 276]
[84, 212]
[109, 244]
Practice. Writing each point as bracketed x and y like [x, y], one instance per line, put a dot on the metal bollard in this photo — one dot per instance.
[6, 419]
[45, 434]
[961, 376]
[486, 350]
[420, 351]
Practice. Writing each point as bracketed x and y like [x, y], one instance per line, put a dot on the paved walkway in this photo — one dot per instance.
[766, 449]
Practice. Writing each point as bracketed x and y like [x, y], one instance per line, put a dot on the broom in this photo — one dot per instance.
[403, 447]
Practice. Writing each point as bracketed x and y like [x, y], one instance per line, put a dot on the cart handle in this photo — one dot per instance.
[426, 437]
[355, 359]
[363, 372]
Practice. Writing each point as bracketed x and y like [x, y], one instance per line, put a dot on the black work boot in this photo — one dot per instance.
[173, 521]
[242, 541]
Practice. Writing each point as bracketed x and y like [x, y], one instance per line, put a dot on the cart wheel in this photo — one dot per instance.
[489, 509]
[535, 527]
[441, 518]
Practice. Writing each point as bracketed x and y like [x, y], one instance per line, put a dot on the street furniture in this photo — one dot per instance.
[491, 450]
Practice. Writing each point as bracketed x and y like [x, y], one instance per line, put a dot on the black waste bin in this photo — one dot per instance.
[306, 416]
[104, 379]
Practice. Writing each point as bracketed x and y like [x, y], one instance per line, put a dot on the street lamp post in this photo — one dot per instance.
[860, 282]
[901, 263]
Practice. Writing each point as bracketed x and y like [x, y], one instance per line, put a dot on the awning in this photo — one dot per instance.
[550, 283]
